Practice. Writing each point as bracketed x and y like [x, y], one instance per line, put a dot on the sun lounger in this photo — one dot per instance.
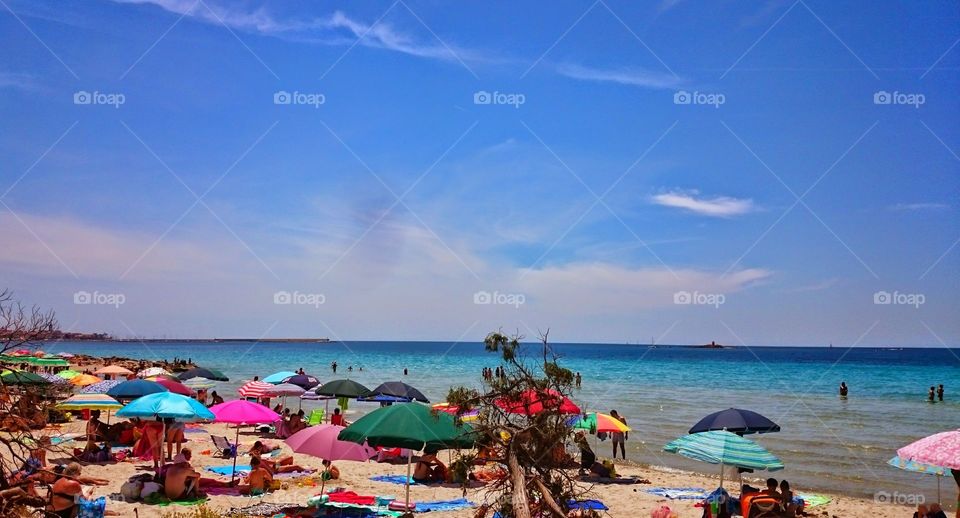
[316, 417]
[224, 447]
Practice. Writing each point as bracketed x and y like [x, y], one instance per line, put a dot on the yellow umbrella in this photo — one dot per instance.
[90, 402]
[83, 380]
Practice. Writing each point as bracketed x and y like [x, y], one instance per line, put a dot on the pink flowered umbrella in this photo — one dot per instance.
[941, 449]
[241, 412]
[321, 441]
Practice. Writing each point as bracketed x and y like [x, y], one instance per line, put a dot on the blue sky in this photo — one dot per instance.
[587, 165]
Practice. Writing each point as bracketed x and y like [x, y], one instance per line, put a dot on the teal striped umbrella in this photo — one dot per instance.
[724, 448]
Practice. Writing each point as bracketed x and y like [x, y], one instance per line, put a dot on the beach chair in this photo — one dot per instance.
[764, 507]
[224, 448]
[316, 417]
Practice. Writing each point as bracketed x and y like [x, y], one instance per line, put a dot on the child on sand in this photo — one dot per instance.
[259, 479]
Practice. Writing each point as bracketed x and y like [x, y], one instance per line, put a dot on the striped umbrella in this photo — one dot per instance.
[52, 378]
[200, 383]
[726, 449]
[596, 422]
[90, 402]
[255, 389]
[101, 387]
[151, 372]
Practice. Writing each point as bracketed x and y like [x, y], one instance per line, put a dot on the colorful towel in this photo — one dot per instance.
[222, 491]
[679, 493]
[444, 505]
[349, 497]
[394, 479]
[229, 471]
[813, 500]
[595, 505]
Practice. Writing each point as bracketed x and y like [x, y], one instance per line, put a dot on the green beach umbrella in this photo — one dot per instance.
[342, 388]
[50, 361]
[68, 374]
[409, 425]
[726, 449]
[23, 378]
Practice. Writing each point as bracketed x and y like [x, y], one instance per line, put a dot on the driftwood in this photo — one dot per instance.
[548, 499]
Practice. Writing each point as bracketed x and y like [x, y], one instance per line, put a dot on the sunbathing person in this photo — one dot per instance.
[181, 481]
[258, 481]
[67, 491]
[282, 465]
[429, 468]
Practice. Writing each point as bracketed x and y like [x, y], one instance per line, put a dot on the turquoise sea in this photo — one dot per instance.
[826, 443]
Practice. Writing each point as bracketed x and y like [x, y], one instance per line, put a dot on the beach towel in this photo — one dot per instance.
[594, 505]
[222, 491]
[593, 479]
[679, 493]
[229, 471]
[444, 505]
[394, 479]
[349, 497]
[811, 500]
[261, 509]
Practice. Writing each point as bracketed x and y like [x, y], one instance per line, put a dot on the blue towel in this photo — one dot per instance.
[228, 470]
[679, 493]
[587, 504]
[444, 505]
[394, 479]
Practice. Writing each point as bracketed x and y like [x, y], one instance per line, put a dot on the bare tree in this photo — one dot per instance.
[531, 445]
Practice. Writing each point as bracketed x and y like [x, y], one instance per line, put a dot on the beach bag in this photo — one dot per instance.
[131, 490]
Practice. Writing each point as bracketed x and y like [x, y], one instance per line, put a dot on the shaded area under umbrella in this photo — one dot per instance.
[736, 420]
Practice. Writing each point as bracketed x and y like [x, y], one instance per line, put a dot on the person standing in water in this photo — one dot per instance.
[579, 380]
[931, 394]
[843, 389]
[333, 366]
[619, 437]
[940, 392]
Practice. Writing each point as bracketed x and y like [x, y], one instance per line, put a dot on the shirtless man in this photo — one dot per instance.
[258, 481]
[182, 481]
[429, 468]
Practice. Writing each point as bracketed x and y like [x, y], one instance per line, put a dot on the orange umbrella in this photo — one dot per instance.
[113, 370]
[83, 380]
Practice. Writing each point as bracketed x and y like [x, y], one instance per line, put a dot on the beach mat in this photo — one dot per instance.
[813, 500]
[394, 479]
[228, 470]
[594, 479]
[679, 493]
[591, 505]
[444, 505]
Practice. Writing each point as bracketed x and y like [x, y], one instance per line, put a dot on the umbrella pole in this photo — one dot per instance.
[409, 460]
[721, 475]
[938, 489]
[236, 442]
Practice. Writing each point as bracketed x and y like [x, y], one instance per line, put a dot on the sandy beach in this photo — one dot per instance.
[624, 501]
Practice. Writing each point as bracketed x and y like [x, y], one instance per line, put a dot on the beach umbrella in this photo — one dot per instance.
[397, 389]
[53, 378]
[382, 398]
[82, 380]
[532, 402]
[278, 377]
[596, 422]
[200, 372]
[100, 387]
[241, 412]
[940, 449]
[452, 410]
[167, 405]
[342, 388]
[413, 426]
[135, 388]
[174, 386]
[726, 449]
[285, 389]
[68, 374]
[65, 355]
[90, 402]
[304, 381]
[50, 361]
[735, 420]
[23, 378]
[113, 370]
[151, 372]
[919, 467]
[321, 441]
[200, 383]
[255, 389]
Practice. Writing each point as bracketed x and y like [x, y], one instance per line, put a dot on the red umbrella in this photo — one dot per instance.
[175, 387]
[532, 402]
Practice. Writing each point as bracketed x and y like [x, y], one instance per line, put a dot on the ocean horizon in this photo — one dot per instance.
[826, 442]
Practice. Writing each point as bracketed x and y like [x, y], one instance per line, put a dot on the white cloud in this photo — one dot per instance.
[719, 206]
[624, 76]
[17, 80]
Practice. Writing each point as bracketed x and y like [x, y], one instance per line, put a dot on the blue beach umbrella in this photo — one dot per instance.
[726, 449]
[134, 389]
[278, 377]
[919, 467]
[736, 420]
[167, 405]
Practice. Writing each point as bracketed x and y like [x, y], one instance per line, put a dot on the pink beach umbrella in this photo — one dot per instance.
[175, 387]
[321, 441]
[241, 412]
[941, 449]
